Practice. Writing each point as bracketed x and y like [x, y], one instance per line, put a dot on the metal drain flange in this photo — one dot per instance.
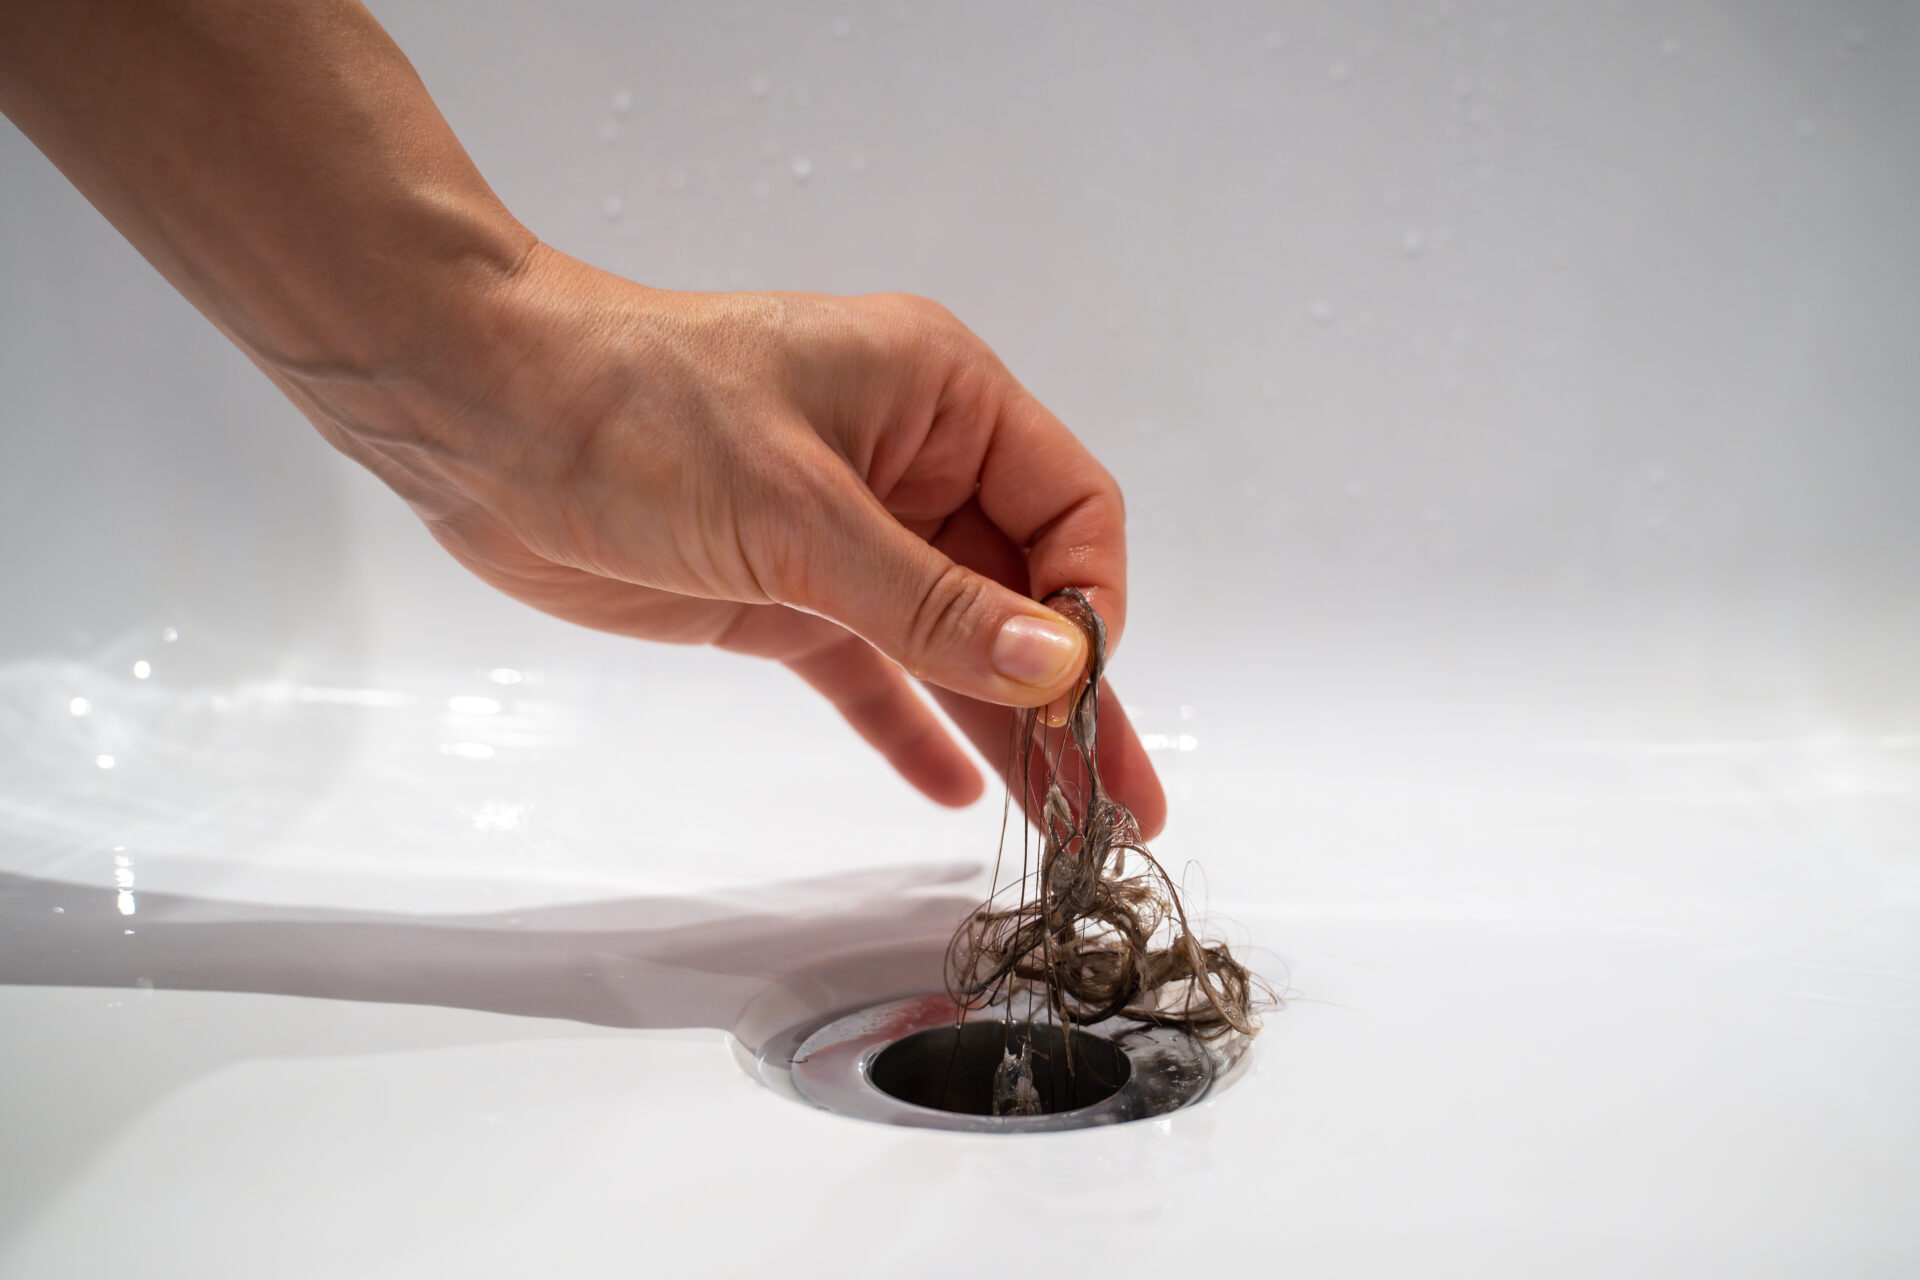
[919, 1062]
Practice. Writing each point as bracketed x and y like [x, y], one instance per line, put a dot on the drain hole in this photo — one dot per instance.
[951, 1069]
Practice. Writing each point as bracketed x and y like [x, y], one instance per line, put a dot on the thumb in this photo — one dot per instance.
[943, 622]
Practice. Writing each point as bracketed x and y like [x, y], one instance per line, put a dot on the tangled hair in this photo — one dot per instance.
[1095, 941]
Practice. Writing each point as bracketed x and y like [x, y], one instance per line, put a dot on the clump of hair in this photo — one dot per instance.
[1099, 930]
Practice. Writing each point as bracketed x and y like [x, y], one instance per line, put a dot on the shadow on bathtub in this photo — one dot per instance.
[654, 962]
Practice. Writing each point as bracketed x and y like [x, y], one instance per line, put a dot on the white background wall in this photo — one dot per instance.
[1512, 350]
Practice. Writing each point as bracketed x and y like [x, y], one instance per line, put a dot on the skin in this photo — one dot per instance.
[855, 487]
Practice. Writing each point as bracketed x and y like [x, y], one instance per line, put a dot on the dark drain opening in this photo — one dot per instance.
[951, 1069]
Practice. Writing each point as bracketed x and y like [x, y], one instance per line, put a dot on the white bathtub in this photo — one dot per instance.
[1519, 420]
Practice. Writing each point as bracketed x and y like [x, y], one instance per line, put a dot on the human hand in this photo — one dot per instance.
[840, 484]
[819, 480]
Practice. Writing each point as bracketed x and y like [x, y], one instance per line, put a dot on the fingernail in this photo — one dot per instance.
[1036, 652]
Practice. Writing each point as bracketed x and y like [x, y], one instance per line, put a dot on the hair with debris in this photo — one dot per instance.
[1098, 928]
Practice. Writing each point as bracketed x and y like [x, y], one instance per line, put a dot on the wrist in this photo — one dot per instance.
[410, 299]
[472, 383]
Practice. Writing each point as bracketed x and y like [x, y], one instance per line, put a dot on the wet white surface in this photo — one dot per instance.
[1574, 1006]
[1516, 414]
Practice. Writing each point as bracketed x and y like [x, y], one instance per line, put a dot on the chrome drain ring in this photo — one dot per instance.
[833, 1068]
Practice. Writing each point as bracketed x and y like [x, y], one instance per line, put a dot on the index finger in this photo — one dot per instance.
[1041, 487]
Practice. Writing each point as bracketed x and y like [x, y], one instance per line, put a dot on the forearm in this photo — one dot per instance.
[279, 162]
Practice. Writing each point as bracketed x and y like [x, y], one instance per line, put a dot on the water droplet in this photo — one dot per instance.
[142, 669]
[468, 750]
[1854, 37]
[1352, 490]
[79, 707]
[802, 95]
[1463, 86]
[1276, 39]
[1339, 72]
[59, 911]
[802, 168]
[762, 188]
[168, 635]
[1670, 48]
[676, 179]
[1803, 128]
[609, 132]
[1321, 310]
[1413, 244]
[857, 162]
[760, 86]
[622, 101]
[769, 147]
[1657, 476]
[104, 762]
[613, 207]
[841, 27]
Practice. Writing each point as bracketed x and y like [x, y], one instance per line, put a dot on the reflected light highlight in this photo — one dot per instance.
[468, 705]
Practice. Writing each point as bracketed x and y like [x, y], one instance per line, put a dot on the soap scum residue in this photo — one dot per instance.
[1086, 937]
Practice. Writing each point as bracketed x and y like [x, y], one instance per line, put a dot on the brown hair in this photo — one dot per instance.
[1096, 939]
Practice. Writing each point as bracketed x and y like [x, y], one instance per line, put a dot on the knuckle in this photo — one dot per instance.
[921, 317]
[942, 609]
[935, 313]
[923, 307]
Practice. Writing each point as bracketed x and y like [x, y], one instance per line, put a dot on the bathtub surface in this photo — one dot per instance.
[1584, 1006]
